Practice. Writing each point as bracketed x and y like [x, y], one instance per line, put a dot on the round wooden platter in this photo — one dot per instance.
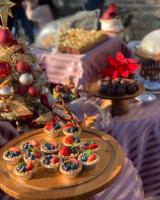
[93, 89]
[49, 186]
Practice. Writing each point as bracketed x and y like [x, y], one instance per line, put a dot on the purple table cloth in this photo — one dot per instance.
[84, 68]
[128, 186]
[139, 134]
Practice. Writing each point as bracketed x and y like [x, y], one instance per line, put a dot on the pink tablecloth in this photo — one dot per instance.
[128, 186]
[83, 68]
[139, 134]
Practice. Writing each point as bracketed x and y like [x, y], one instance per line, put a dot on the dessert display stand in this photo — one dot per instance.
[47, 186]
[120, 105]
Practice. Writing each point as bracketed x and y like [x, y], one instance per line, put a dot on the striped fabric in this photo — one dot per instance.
[128, 186]
[84, 68]
[139, 134]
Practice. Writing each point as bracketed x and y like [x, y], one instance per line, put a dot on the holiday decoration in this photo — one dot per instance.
[120, 66]
[5, 10]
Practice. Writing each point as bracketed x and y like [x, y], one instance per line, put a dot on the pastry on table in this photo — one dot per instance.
[71, 140]
[71, 129]
[90, 145]
[12, 156]
[33, 156]
[67, 152]
[88, 159]
[70, 168]
[24, 170]
[50, 162]
[27, 145]
[53, 129]
[50, 147]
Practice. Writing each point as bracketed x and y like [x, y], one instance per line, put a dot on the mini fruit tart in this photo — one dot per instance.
[88, 159]
[27, 145]
[71, 129]
[24, 170]
[50, 147]
[89, 145]
[12, 156]
[70, 168]
[33, 156]
[53, 129]
[68, 152]
[50, 162]
[71, 140]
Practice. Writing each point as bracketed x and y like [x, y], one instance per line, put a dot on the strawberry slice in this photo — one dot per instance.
[29, 166]
[91, 158]
[65, 151]
[91, 146]
[69, 139]
[37, 154]
[54, 144]
[68, 126]
[49, 126]
[34, 143]
[73, 160]
[55, 160]
[14, 149]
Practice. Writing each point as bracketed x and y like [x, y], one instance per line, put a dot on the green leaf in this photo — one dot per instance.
[88, 152]
[90, 142]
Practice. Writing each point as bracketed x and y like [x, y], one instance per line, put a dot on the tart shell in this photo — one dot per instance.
[89, 165]
[72, 173]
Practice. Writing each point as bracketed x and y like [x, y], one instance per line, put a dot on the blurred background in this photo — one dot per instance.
[139, 16]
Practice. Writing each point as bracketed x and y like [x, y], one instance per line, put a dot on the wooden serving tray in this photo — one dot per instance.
[70, 50]
[94, 88]
[47, 186]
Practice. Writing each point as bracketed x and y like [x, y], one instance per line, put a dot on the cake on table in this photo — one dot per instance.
[149, 52]
[110, 22]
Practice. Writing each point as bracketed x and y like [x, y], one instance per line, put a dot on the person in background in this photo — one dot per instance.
[41, 11]
[20, 16]
[93, 4]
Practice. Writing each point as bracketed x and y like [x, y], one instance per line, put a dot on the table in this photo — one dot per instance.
[85, 67]
[139, 134]
[128, 186]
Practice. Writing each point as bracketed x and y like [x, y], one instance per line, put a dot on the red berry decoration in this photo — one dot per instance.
[14, 149]
[73, 160]
[55, 160]
[69, 139]
[29, 166]
[37, 154]
[54, 144]
[23, 67]
[49, 126]
[91, 158]
[33, 91]
[91, 146]
[6, 36]
[22, 89]
[65, 151]
[34, 143]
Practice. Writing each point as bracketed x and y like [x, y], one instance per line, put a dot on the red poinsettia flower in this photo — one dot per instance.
[5, 69]
[120, 66]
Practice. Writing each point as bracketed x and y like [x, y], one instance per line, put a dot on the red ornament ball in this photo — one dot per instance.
[5, 69]
[6, 36]
[23, 67]
[33, 91]
[22, 89]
